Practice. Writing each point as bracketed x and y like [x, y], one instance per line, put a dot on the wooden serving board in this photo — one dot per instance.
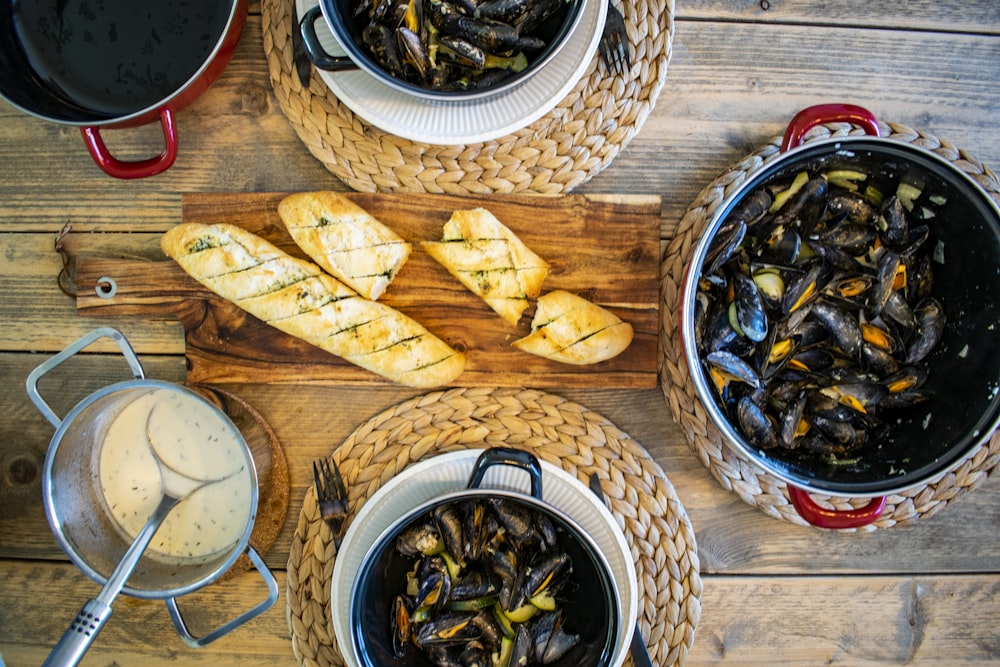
[604, 247]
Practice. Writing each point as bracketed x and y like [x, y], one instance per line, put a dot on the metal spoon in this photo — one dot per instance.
[174, 487]
[640, 654]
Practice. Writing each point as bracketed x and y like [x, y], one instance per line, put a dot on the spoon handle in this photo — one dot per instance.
[95, 613]
[79, 635]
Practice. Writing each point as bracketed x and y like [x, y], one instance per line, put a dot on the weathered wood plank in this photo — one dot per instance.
[730, 87]
[930, 15]
[732, 537]
[32, 299]
[858, 621]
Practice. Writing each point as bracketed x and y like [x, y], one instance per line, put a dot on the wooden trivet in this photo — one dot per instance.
[750, 483]
[560, 151]
[563, 433]
[272, 471]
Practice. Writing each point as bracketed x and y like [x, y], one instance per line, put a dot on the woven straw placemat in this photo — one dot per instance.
[563, 433]
[751, 484]
[560, 151]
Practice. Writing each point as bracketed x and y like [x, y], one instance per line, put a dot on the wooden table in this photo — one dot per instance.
[774, 593]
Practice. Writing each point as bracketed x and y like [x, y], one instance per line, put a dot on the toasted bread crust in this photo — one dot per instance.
[569, 329]
[345, 240]
[296, 297]
[491, 261]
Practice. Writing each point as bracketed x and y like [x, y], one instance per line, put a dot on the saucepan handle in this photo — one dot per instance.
[821, 517]
[508, 456]
[204, 640]
[112, 166]
[317, 54]
[104, 332]
[812, 116]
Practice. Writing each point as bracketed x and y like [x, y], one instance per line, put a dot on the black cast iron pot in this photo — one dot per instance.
[590, 600]
[964, 369]
[347, 28]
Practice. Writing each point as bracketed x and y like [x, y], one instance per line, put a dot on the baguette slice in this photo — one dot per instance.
[345, 239]
[491, 261]
[298, 298]
[569, 329]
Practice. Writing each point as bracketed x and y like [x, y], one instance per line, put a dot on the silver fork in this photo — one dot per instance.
[332, 496]
[614, 45]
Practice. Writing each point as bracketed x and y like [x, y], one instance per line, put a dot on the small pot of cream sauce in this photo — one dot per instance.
[101, 482]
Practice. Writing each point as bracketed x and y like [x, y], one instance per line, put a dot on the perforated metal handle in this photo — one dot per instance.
[79, 635]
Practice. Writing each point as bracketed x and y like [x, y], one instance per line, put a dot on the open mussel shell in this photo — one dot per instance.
[957, 407]
[589, 598]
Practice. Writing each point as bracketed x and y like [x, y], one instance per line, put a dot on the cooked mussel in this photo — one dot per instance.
[486, 581]
[815, 312]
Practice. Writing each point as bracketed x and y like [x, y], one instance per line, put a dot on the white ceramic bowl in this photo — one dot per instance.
[441, 474]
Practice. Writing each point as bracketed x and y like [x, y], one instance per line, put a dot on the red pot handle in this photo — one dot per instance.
[112, 166]
[822, 517]
[810, 117]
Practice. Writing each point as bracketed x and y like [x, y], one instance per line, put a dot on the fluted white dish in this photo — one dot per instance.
[450, 472]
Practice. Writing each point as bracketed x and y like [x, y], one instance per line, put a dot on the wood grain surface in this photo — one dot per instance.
[603, 247]
[774, 594]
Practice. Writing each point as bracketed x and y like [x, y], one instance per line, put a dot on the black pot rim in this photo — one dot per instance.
[386, 540]
[785, 472]
[238, 9]
[337, 25]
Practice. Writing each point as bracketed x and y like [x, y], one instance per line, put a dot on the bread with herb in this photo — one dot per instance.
[298, 298]
[572, 330]
[490, 260]
[345, 239]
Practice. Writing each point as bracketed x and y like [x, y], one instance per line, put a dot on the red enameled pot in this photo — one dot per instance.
[117, 65]
[927, 439]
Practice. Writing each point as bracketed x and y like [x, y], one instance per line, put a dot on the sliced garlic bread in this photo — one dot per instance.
[490, 260]
[572, 330]
[298, 298]
[345, 239]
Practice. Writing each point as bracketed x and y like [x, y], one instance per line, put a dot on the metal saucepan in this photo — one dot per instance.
[930, 438]
[84, 500]
[590, 601]
[123, 65]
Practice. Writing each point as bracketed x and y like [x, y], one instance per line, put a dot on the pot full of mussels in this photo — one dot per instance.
[840, 317]
[443, 50]
[487, 577]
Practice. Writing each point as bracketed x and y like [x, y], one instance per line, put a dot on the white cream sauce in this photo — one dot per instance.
[193, 440]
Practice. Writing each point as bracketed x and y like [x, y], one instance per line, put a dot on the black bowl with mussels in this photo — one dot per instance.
[841, 315]
[445, 50]
[486, 577]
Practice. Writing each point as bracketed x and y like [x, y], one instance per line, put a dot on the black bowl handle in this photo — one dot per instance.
[317, 56]
[508, 456]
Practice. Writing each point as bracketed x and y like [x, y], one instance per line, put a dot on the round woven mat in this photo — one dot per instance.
[563, 149]
[563, 433]
[754, 486]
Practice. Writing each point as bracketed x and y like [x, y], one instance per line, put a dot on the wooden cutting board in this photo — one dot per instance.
[604, 247]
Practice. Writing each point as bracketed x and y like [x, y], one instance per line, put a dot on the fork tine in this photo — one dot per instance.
[336, 481]
[605, 54]
[624, 62]
[318, 482]
[614, 45]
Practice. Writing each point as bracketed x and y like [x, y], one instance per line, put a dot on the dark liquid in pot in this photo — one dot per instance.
[118, 56]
